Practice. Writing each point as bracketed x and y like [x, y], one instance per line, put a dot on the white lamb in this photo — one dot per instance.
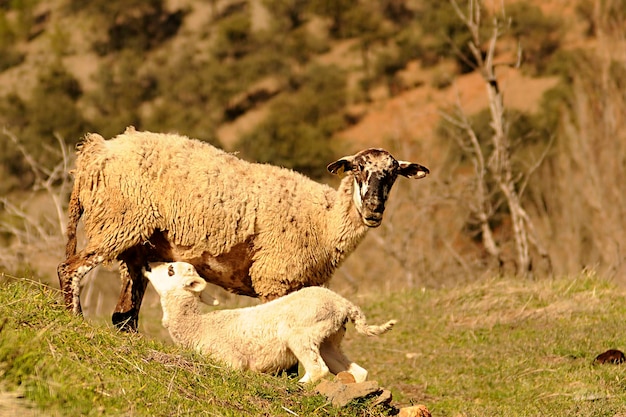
[307, 326]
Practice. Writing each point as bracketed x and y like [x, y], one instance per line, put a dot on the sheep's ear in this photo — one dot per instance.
[208, 298]
[148, 267]
[340, 166]
[195, 284]
[412, 170]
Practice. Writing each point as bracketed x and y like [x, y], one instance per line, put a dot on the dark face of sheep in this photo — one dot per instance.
[374, 172]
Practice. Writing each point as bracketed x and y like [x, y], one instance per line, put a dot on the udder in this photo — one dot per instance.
[230, 270]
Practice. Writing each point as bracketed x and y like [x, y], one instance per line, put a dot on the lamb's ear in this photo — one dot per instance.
[195, 284]
[340, 166]
[412, 170]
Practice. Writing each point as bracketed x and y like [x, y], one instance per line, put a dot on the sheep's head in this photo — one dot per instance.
[374, 172]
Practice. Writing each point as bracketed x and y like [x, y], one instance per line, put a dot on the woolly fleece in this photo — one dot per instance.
[306, 325]
[255, 229]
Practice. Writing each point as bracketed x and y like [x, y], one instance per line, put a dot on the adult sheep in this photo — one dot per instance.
[253, 229]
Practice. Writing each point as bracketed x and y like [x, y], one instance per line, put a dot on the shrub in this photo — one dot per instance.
[337, 11]
[610, 17]
[193, 91]
[9, 56]
[297, 132]
[539, 35]
[50, 110]
[234, 36]
[300, 45]
[362, 20]
[122, 88]
[132, 24]
[447, 36]
[288, 14]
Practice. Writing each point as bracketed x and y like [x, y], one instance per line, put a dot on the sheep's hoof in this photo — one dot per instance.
[292, 371]
[125, 322]
[304, 380]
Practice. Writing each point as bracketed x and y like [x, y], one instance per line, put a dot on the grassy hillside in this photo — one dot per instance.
[503, 347]
[496, 347]
[67, 366]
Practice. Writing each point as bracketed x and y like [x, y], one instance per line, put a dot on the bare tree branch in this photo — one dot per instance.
[31, 234]
[498, 164]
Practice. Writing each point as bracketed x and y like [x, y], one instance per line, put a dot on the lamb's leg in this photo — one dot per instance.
[337, 361]
[309, 356]
[293, 370]
[126, 314]
[70, 273]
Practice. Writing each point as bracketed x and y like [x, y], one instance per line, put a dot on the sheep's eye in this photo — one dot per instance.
[170, 271]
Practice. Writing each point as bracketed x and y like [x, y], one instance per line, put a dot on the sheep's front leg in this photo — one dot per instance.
[126, 314]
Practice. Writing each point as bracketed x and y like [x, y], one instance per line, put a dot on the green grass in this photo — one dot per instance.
[503, 347]
[69, 367]
[499, 347]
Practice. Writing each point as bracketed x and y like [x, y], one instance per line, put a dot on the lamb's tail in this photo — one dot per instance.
[361, 326]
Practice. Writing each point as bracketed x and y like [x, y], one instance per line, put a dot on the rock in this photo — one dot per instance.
[385, 397]
[414, 411]
[345, 377]
[613, 356]
[341, 394]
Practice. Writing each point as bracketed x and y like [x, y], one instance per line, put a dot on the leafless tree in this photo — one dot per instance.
[31, 234]
[497, 163]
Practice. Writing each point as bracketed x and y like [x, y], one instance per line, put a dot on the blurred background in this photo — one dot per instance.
[535, 190]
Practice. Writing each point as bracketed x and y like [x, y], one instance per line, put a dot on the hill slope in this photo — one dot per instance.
[67, 366]
[495, 347]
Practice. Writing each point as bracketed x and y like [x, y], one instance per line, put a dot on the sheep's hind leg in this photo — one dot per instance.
[126, 314]
[70, 273]
[292, 371]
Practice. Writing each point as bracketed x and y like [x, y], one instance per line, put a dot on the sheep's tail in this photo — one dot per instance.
[361, 326]
[75, 207]
[74, 212]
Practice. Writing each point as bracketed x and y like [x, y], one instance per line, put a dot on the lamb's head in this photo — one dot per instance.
[175, 282]
[167, 277]
[374, 172]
